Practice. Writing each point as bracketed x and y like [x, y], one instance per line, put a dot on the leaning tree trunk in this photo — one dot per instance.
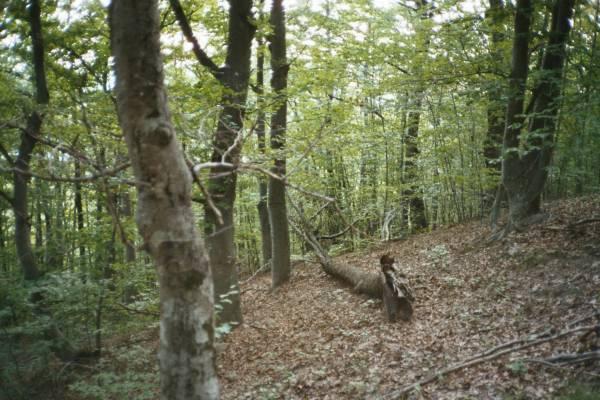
[280, 263]
[164, 214]
[524, 173]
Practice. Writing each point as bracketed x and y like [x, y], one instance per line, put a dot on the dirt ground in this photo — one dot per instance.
[315, 338]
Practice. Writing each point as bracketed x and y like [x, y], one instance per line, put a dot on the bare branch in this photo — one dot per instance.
[6, 155]
[81, 179]
[511, 347]
[205, 193]
[186, 29]
[6, 197]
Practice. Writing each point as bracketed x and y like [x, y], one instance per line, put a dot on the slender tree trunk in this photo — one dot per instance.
[227, 147]
[263, 211]
[416, 209]
[164, 215]
[280, 267]
[79, 216]
[127, 211]
[496, 107]
[28, 142]
[415, 199]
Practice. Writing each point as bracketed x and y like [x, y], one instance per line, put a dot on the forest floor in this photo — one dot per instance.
[315, 338]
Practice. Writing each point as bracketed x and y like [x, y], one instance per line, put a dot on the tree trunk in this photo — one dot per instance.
[164, 216]
[280, 265]
[524, 170]
[79, 217]
[127, 211]
[496, 107]
[416, 209]
[415, 199]
[226, 147]
[28, 141]
[263, 211]
[364, 282]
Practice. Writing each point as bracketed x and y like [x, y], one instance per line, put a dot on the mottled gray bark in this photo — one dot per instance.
[280, 263]
[164, 214]
[415, 198]
[416, 208]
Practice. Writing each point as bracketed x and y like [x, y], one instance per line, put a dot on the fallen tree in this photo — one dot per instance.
[362, 281]
[369, 283]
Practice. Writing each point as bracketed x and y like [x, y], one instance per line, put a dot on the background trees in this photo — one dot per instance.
[359, 75]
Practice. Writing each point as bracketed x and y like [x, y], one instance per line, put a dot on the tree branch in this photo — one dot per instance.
[201, 56]
[6, 155]
[6, 197]
[81, 179]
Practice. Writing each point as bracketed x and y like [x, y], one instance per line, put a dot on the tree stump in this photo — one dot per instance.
[397, 295]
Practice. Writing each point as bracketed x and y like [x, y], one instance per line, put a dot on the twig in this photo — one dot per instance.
[6, 155]
[596, 314]
[585, 221]
[255, 273]
[205, 193]
[7, 197]
[486, 356]
[141, 312]
[262, 328]
[81, 179]
[555, 366]
[335, 235]
[569, 358]
[201, 56]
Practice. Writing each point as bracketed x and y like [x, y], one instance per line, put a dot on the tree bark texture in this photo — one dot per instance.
[527, 157]
[417, 219]
[415, 199]
[28, 141]
[164, 213]
[226, 147]
[280, 244]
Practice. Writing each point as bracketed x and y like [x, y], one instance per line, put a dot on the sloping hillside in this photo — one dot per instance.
[315, 338]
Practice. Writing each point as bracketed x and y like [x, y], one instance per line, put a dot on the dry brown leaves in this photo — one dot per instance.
[316, 339]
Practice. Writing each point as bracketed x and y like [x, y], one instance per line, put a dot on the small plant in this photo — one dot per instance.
[438, 256]
[127, 374]
[517, 368]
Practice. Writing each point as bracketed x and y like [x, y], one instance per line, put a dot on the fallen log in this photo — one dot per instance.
[398, 302]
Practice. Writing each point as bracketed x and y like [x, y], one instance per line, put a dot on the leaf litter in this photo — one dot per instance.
[314, 338]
